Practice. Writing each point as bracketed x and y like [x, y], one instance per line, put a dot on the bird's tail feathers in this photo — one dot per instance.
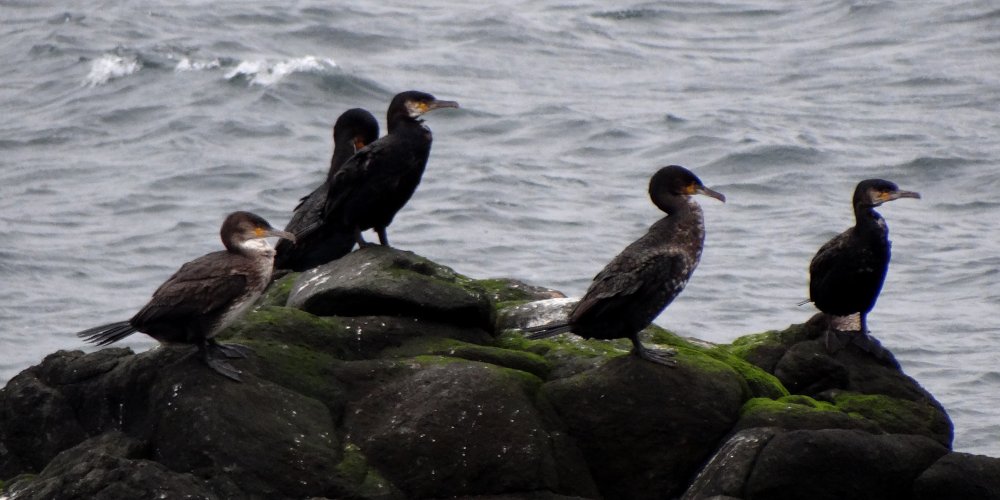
[546, 331]
[107, 334]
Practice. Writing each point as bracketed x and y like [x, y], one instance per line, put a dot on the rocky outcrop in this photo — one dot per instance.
[384, 375]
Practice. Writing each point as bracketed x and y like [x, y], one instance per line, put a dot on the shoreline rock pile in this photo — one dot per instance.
[385, 375]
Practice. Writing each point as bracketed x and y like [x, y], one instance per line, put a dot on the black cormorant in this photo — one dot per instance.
[846, 274]
[355, 129]
[206, 295]
[378, 180]
[628, 294]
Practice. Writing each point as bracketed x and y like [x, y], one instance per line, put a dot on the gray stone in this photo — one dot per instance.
[383, 281]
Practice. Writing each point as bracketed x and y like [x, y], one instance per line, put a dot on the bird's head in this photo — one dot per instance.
[874, 192]
[245, 232]
[673, 182]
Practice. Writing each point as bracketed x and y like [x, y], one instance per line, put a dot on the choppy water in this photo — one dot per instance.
[131, 129]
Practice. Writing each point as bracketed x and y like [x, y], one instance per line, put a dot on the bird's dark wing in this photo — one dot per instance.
[203, 286]
[360, 178]
[826, 261]
[656, 276]
[307, 216]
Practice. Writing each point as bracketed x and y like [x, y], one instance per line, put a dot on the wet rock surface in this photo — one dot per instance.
[384, 375]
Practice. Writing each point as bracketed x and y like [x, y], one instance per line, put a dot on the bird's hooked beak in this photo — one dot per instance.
[265, 232]
[436, 104]
[895, 195]
[417, 108]
[710, 192]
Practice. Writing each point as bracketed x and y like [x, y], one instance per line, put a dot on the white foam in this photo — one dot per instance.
[109, 67]
[186, 64]
[261, 72]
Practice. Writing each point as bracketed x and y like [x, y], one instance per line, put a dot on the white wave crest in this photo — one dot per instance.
[109, 67]
[186, 64]
[268, 73]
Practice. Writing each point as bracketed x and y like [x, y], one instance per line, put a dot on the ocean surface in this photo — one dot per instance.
[130, 129]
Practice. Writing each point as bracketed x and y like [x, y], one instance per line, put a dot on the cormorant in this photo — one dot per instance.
[378, 180]
[641, 281]
[206, 295]
[355, 129]
[846, 274]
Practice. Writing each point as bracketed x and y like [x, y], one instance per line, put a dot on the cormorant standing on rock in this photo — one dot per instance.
[355, 129]
[206, 295]
[846, 274]
[378, 180]
[641, 281]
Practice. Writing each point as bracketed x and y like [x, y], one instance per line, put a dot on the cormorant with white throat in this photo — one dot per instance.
[206, 295]
[635, 287]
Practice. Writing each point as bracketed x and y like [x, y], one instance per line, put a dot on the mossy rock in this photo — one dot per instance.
[365, 480]
[277, 293]
[508, 358]
[452, 427]
[507, 293]
[895, 415]
[383, 281]
[567, 355]
[799, 412]
[766, 349]
[343, 338]
[629, 412]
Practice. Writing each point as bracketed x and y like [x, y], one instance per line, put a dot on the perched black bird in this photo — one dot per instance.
[206, 295]
[846, 274]
[355, 129]
[628, 294]
[378, 180]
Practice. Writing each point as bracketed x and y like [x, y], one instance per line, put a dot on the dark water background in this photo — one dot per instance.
[129, 130]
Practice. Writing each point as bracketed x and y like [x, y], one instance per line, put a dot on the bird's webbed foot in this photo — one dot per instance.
[659, 356]
[207, 349]
[231, 351]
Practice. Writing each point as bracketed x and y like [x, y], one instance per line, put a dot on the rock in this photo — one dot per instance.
[383, 281]
[540, 312]
[960, 476]
[800, 412]
[111, 466]
[629, 414]
[390, 381]
[838, 464]
[854, 381]
[455, 427]
[725, 475]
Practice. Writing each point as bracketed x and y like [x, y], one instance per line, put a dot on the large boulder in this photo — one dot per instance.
[836, 464]
[630, 414]
[378, 280]
[959, 476]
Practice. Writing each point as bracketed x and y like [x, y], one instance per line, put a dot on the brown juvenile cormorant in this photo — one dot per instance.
[378, 180]
[846, 275]
[355, 129]
[206, 295]
[641, 281]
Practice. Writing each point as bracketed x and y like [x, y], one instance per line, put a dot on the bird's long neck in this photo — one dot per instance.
[867, 219]
[343, 150]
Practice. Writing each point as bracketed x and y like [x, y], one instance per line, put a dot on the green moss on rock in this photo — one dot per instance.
[508, 358]
[277, 293]
[367, 482]
[893, 415]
